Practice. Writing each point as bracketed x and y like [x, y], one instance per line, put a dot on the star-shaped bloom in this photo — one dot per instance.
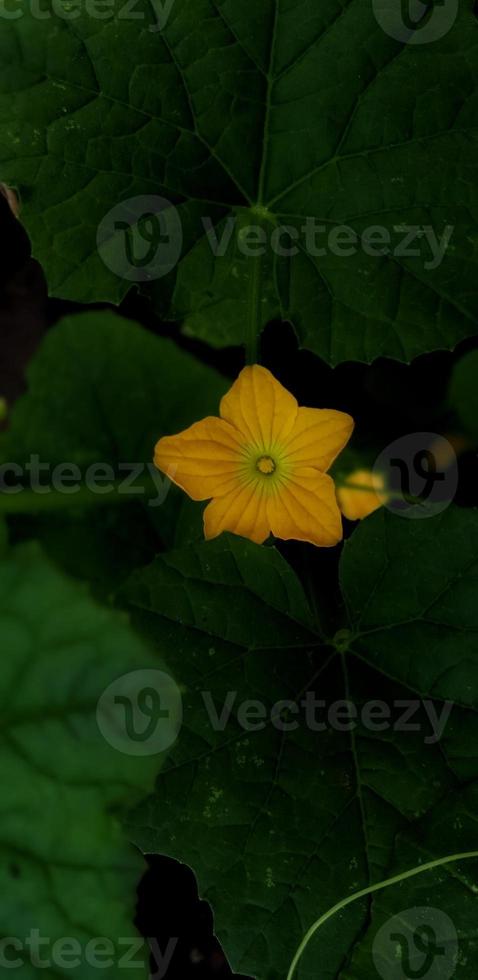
[263, 464]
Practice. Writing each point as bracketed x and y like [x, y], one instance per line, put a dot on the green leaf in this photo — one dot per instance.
[279, 825]
[103, 389]
[101, 392]
[100, 545]
[398, 616]
[67, 870]
[269, 118]
[270, 607]
[463, 392]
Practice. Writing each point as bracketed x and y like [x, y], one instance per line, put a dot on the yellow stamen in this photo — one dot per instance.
[266, 465]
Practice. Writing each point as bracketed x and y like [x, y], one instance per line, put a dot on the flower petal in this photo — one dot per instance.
[242, 512]
[204, 460]
[259, 407]
[355, 502]
[306, 508]
[318, 436]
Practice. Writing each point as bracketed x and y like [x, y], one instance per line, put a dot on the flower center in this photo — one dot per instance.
[266, 465]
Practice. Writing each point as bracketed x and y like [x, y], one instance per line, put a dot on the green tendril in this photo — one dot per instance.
[369, 891]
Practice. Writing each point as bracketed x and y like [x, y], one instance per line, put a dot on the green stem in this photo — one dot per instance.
[254, 304]
[369, 891]
[260, 267]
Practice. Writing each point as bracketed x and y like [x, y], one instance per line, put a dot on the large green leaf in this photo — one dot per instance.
[101, 391]
[67, 872]
[291, 111]
[415, 597]
[280, 825]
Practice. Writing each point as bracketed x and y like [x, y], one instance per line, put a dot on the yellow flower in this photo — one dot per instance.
[363, 492]
[263, 463]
